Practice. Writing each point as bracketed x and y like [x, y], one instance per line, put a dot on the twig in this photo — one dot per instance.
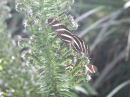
[94, 25]
[114, 22]
[128, 46]
[102, 38]
[88, 13]
[107, 69]
[105, 28]
[111, 94]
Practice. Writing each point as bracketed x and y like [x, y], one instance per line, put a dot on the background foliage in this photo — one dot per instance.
[104, 26]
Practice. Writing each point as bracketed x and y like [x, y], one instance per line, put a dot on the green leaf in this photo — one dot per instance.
[1, 68]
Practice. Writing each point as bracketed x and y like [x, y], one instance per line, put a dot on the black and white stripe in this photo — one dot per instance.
[91, 69]
[80, 46]
[63, 33]
[68, 37]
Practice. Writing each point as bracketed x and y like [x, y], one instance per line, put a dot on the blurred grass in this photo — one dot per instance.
[107, 33]
[16, 79]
